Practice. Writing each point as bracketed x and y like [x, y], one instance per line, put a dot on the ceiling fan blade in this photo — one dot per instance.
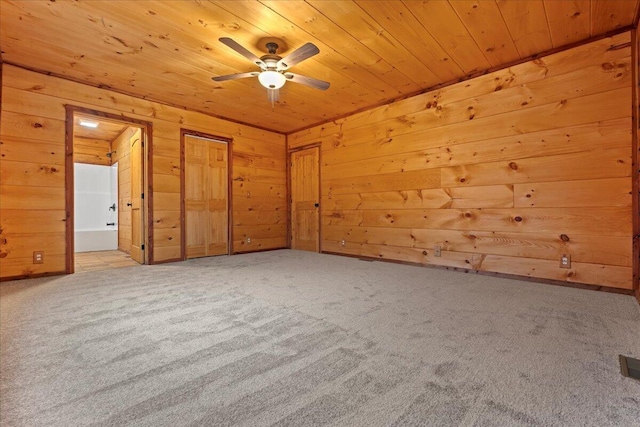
[235, 76]
[305, 51]
[242, 51]
[307, 81]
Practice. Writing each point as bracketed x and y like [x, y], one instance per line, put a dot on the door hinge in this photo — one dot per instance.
[142, 247]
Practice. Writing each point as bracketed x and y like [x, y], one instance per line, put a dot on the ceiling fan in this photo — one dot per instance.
[274, 68]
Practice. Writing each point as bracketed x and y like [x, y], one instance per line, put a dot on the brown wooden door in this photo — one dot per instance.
[137, 216]
[206, 198]
[305, 200]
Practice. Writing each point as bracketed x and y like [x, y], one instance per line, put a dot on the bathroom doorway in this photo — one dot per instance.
[107, 214]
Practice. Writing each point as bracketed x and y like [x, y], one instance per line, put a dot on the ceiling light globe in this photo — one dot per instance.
[272, 79]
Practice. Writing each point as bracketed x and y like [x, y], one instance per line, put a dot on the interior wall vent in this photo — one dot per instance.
[630, 367]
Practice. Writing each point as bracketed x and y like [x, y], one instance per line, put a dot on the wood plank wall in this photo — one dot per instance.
[91, 151]
[32, 191]
[506, 172]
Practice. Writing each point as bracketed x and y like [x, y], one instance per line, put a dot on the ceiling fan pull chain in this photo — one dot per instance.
[274, 95]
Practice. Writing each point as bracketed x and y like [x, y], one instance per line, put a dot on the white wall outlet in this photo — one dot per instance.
[565, 261]
[437, 250]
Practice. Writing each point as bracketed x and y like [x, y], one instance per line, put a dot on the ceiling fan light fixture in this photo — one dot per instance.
[272, 79]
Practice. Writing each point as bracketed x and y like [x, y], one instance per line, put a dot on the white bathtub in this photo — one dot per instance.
[96, 240]
[96, 198]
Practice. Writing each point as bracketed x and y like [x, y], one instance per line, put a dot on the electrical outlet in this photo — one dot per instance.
[343, 242]
[38, 257]
[437, 250]
[565, 261]
[248, 240]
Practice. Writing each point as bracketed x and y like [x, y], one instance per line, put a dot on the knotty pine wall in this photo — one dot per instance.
[506, 171]
[32, 189]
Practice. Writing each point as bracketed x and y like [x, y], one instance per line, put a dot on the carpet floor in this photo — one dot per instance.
[288, 338]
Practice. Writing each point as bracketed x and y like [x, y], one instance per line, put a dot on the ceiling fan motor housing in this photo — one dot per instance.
[271, 61]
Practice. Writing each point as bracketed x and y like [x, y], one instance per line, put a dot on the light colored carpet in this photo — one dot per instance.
[291, 338]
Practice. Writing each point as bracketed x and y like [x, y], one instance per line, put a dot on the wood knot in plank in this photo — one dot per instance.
[47, 169]
[564, 237]
[37, 125]
[513, 166]
[517, 219]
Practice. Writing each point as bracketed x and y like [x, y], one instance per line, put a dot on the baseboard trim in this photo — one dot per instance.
[599, 288]
[258, 250]
[164, 261]
[32, 276]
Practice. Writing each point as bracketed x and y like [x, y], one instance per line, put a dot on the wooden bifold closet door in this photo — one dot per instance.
[206, 197]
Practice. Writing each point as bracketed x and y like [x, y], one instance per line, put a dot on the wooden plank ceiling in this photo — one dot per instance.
[106, 131]
[371, 52]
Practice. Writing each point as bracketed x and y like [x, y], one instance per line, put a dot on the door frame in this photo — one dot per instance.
[183, 171]
[147, 156]
[635, 156]
[290, 152]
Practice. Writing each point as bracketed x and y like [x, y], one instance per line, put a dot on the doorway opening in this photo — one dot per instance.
[106, 182]
[206, 195]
